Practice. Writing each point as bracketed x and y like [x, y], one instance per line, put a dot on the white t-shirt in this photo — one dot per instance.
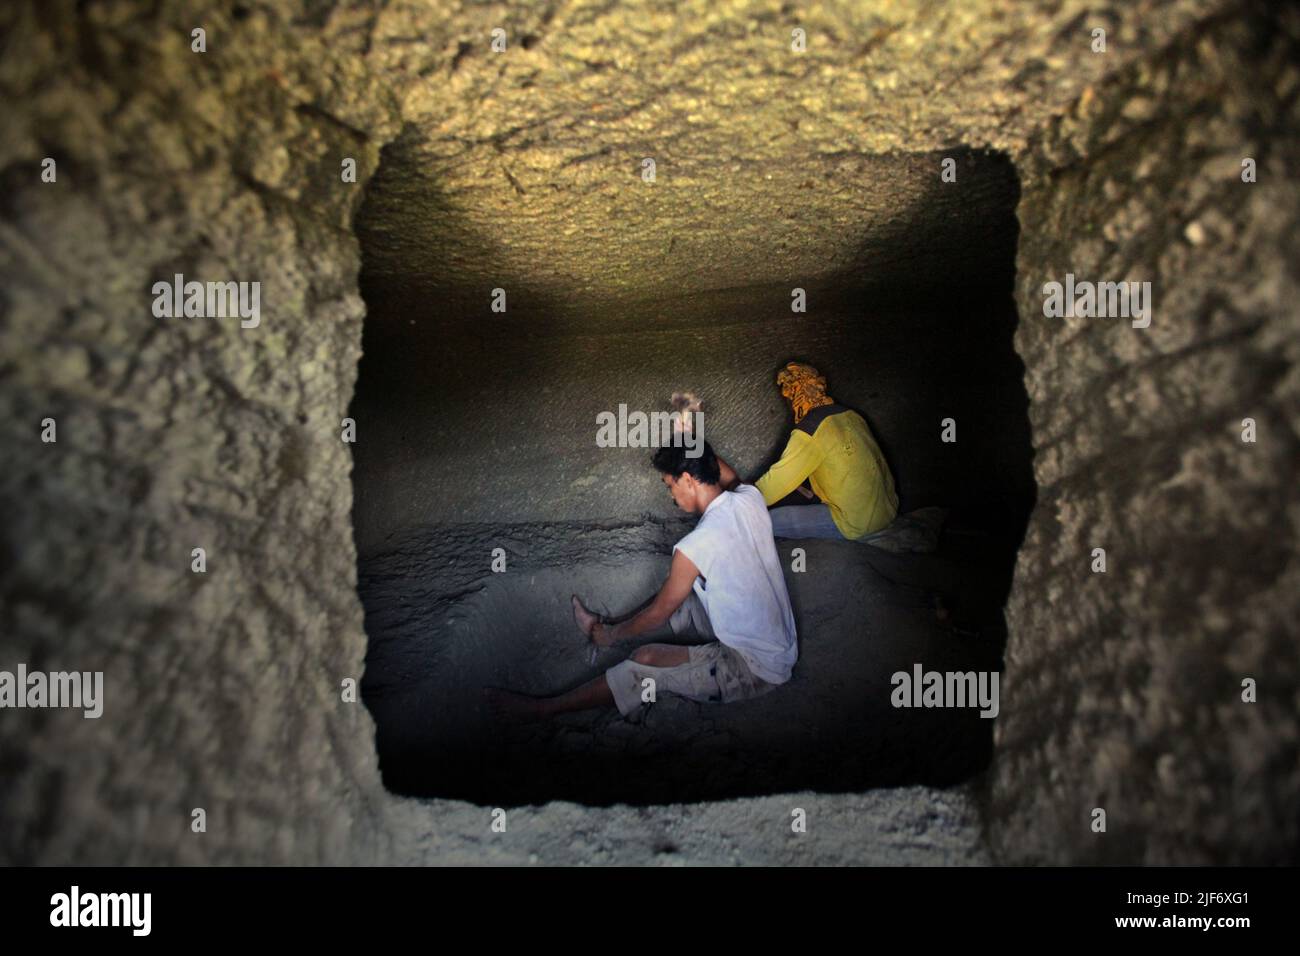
[741, 584]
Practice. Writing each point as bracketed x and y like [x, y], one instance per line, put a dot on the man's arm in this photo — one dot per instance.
[800, 496]
[800, 459]
[675, 590]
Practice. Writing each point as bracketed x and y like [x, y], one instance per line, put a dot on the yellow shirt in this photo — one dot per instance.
[846, 469]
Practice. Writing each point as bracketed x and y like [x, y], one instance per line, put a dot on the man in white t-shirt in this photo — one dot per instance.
[725, 583]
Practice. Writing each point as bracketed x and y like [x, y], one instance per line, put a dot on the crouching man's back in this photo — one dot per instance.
[740, 585]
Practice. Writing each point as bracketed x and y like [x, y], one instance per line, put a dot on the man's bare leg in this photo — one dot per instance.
[506, 703]
[594, 693]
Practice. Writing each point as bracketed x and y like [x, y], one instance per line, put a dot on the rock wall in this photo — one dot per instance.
[1124, 688]
[222, 689]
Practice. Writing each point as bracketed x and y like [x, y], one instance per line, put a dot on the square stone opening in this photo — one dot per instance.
[476, 440]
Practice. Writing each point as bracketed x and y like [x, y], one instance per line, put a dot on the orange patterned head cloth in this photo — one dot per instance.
[804, 388]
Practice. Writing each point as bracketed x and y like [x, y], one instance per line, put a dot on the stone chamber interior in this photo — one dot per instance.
[480, 433]
[330, 562]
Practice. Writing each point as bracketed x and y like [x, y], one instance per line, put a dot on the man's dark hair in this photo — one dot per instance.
[674, 462]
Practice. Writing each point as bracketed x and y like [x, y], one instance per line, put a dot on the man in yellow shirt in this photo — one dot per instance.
[833, 450]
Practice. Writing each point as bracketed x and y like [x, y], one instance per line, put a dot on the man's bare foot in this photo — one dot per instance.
[507, 705]
[584, 618]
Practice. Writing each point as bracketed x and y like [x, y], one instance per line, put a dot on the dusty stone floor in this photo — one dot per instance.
[437, 638]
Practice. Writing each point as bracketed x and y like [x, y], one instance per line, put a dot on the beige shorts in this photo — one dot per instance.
[714, 672]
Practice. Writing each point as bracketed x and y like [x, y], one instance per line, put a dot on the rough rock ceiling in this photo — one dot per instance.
[523, 168]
